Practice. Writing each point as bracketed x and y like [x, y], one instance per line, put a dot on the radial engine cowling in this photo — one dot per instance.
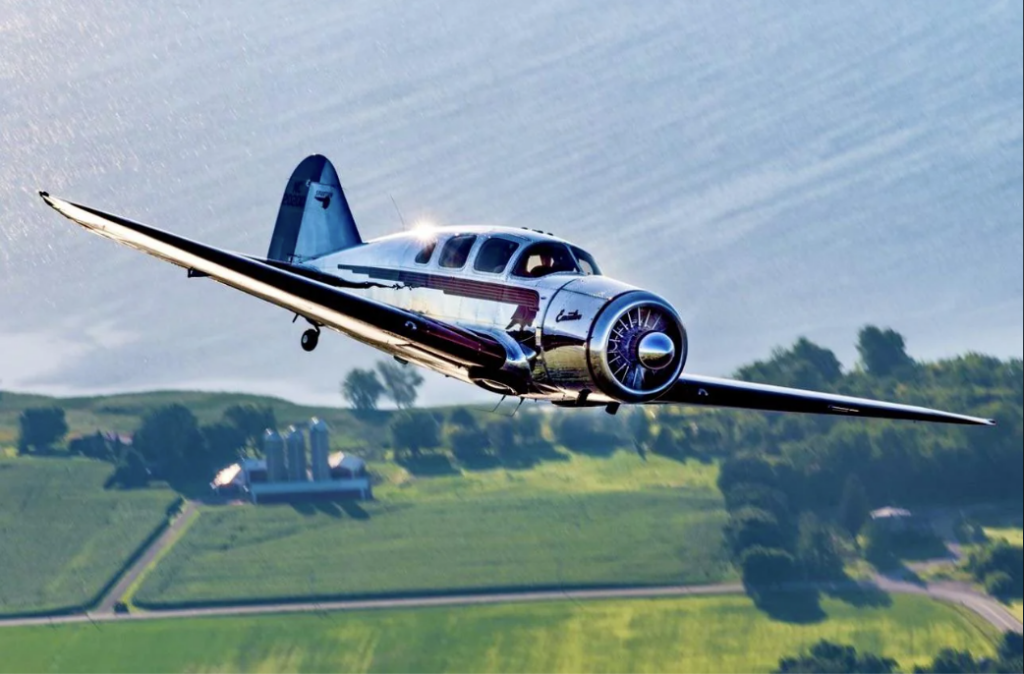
[630, 346]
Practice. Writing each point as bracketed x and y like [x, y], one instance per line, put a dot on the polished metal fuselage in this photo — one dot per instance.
[544, 323]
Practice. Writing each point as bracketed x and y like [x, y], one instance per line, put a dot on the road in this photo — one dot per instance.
[170, 535]
[990, 610]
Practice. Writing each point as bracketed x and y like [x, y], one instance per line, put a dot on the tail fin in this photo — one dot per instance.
[314, 219]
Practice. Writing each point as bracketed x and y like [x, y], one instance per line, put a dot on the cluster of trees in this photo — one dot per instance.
[364, 388]
[1000, 568]
[896, 462]
[172, 445]
[772, 542]
[470, 439]
[836, 659]
[41, 429]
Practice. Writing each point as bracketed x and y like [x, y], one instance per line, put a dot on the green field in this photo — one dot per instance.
[62, 537]
[721, 634]
[465, 532]
[1018, 610]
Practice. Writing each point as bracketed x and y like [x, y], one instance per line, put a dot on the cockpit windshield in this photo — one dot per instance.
[542, 259]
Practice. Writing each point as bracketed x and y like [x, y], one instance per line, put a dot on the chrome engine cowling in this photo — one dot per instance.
[625, 345]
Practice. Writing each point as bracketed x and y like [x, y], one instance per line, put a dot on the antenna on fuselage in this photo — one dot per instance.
[399, 211]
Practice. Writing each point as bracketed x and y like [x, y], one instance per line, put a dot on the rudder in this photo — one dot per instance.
[314, 219]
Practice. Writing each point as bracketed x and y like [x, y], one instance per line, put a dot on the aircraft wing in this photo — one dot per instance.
[373, 323]
[712, 392]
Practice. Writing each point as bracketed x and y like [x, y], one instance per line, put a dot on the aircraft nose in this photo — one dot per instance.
[656, 351]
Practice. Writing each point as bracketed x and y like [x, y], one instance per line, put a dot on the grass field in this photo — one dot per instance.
[1018, 610]
[721, 634]
[499, 530]
[62, 537]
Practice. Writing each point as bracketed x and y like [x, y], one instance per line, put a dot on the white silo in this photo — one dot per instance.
[297, 465]
[320, 449]
[273, 451]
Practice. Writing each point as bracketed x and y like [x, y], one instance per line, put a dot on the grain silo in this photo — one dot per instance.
[273, 450]
[320, 449]
[297, 465]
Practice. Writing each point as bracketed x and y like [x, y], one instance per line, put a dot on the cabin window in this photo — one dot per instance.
[456, 252]
[494, 255]
[542, 259]
[426, 251]
[586, 260]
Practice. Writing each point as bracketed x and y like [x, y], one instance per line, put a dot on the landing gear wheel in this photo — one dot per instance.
[310, 338]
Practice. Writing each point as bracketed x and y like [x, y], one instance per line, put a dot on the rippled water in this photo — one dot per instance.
[774, 169]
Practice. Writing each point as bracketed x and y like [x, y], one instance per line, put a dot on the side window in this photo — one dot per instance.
[587, 262]
[426, 251]
[542, 259]
[456, 252]
[494, 255]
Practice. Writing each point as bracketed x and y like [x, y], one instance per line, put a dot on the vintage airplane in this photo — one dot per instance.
[514, 311]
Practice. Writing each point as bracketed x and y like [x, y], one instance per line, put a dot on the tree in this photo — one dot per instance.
[41, 428]
[502, 436]
[950, 661]
[639, 428]
[401, 383]
[414, 431]
[826, 657]
[252, 421]
[95, 446]
[854, 509]
[362, 389]
[665, 442]
[131, 470]
[169, 441]
[759, 496]
[766, 567]
[468, 443]
[883, 353]
[816, 550]
[224, 443]
[462, 418]
[750, 528]
[529, 428]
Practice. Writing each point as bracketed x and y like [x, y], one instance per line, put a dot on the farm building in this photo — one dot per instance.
[898, 520]
[285, 475]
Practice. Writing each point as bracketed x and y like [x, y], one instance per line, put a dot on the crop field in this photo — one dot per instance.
[62, 537]
[715, 634]
[489, 540]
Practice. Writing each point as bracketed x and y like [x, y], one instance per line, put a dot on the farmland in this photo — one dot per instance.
[724, 634]
[580, 522]
[63, 537]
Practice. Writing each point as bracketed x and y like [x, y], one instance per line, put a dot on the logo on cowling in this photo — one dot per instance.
[564, 316]
[324, 198]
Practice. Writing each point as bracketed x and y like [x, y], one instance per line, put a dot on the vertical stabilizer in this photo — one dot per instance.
[314, 219]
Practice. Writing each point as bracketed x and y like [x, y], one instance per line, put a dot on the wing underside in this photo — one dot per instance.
[712, 392]
[383, 326]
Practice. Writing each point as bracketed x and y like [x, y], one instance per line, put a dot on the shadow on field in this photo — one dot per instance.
[525, 457]
[796, 607]
[353, 510]
[428, 465]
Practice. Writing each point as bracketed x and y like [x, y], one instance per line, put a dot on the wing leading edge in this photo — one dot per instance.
[712, 392]
[370, 322]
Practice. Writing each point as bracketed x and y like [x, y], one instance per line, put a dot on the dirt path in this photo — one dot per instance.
[117, 593]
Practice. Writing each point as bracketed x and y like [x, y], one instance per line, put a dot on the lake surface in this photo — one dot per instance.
[773, 169]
